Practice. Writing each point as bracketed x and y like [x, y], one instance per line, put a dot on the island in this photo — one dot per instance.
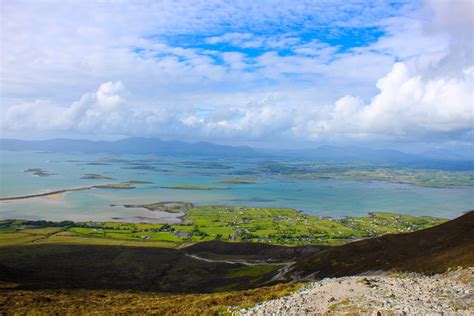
[238, 181]
[139, 182]
[96, 176]
[432, 178]
[194, 187]
[167, 206]
[38, 172]
[114, 186]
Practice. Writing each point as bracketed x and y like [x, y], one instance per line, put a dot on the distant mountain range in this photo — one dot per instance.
[327, 153]
[351, 154]
[354, 153]
[134, 145]
[449, 154]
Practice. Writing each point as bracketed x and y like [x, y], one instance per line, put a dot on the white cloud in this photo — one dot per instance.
[104, 111]
[407, 106]
[249, 40]
[312, 91]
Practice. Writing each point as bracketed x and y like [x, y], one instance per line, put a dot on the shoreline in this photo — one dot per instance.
[119, 186]
[30, 196]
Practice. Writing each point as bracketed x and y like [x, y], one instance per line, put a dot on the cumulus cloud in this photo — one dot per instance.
[414, 83]
[407, 106]
[107, 111]
[104, 111]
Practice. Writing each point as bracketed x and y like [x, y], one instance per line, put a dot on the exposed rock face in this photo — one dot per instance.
[450, 293]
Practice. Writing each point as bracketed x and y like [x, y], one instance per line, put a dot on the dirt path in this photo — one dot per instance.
[279, 276]
[247, 263]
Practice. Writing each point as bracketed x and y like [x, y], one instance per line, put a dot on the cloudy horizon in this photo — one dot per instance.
[266, 73]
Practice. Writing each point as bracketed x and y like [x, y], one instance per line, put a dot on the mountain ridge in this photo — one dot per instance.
[134, 145]
[430, 250]
[324, 153]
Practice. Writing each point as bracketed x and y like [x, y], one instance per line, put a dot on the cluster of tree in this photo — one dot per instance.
[197, 232]
[166, 228]
[247, 236]
[43, 223]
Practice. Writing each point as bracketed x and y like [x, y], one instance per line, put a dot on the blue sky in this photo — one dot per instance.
[267, 73]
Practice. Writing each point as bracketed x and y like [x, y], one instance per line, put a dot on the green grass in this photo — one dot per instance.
[290, 227]
[267, 225]
[253, 271]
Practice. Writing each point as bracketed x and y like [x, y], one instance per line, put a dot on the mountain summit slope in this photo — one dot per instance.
[431, 250]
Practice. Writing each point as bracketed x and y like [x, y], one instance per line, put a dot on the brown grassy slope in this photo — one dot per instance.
[250, 250]
[87, 302]
[430, 250]
[122, 268]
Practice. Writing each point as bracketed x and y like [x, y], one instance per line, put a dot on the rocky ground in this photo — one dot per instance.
[451, 293]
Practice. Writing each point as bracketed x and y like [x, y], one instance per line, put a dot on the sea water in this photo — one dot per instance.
[322, 197]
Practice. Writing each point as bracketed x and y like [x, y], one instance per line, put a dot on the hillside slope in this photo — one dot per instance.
[53, 266]
[250, 250]
[218, 266]
[431, 250]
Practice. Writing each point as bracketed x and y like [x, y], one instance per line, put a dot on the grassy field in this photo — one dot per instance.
[85, 279]
[82, 302]
[233, 224]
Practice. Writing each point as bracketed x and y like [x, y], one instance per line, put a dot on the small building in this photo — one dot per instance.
[181, 234]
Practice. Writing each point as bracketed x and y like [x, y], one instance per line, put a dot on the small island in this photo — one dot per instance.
[167, 206]
[38, 172]
[139, 182]
[142, 167]
[238, 181]
[96, 176]
[204, 165]
[114, 186]
[194, 187]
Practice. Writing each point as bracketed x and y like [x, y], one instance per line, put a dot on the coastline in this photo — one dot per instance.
[119, 186]
[30, 196]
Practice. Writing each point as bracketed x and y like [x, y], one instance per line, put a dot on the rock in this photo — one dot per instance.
[410, 294]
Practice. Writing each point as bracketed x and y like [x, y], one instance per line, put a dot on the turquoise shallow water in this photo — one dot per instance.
[318, 197]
